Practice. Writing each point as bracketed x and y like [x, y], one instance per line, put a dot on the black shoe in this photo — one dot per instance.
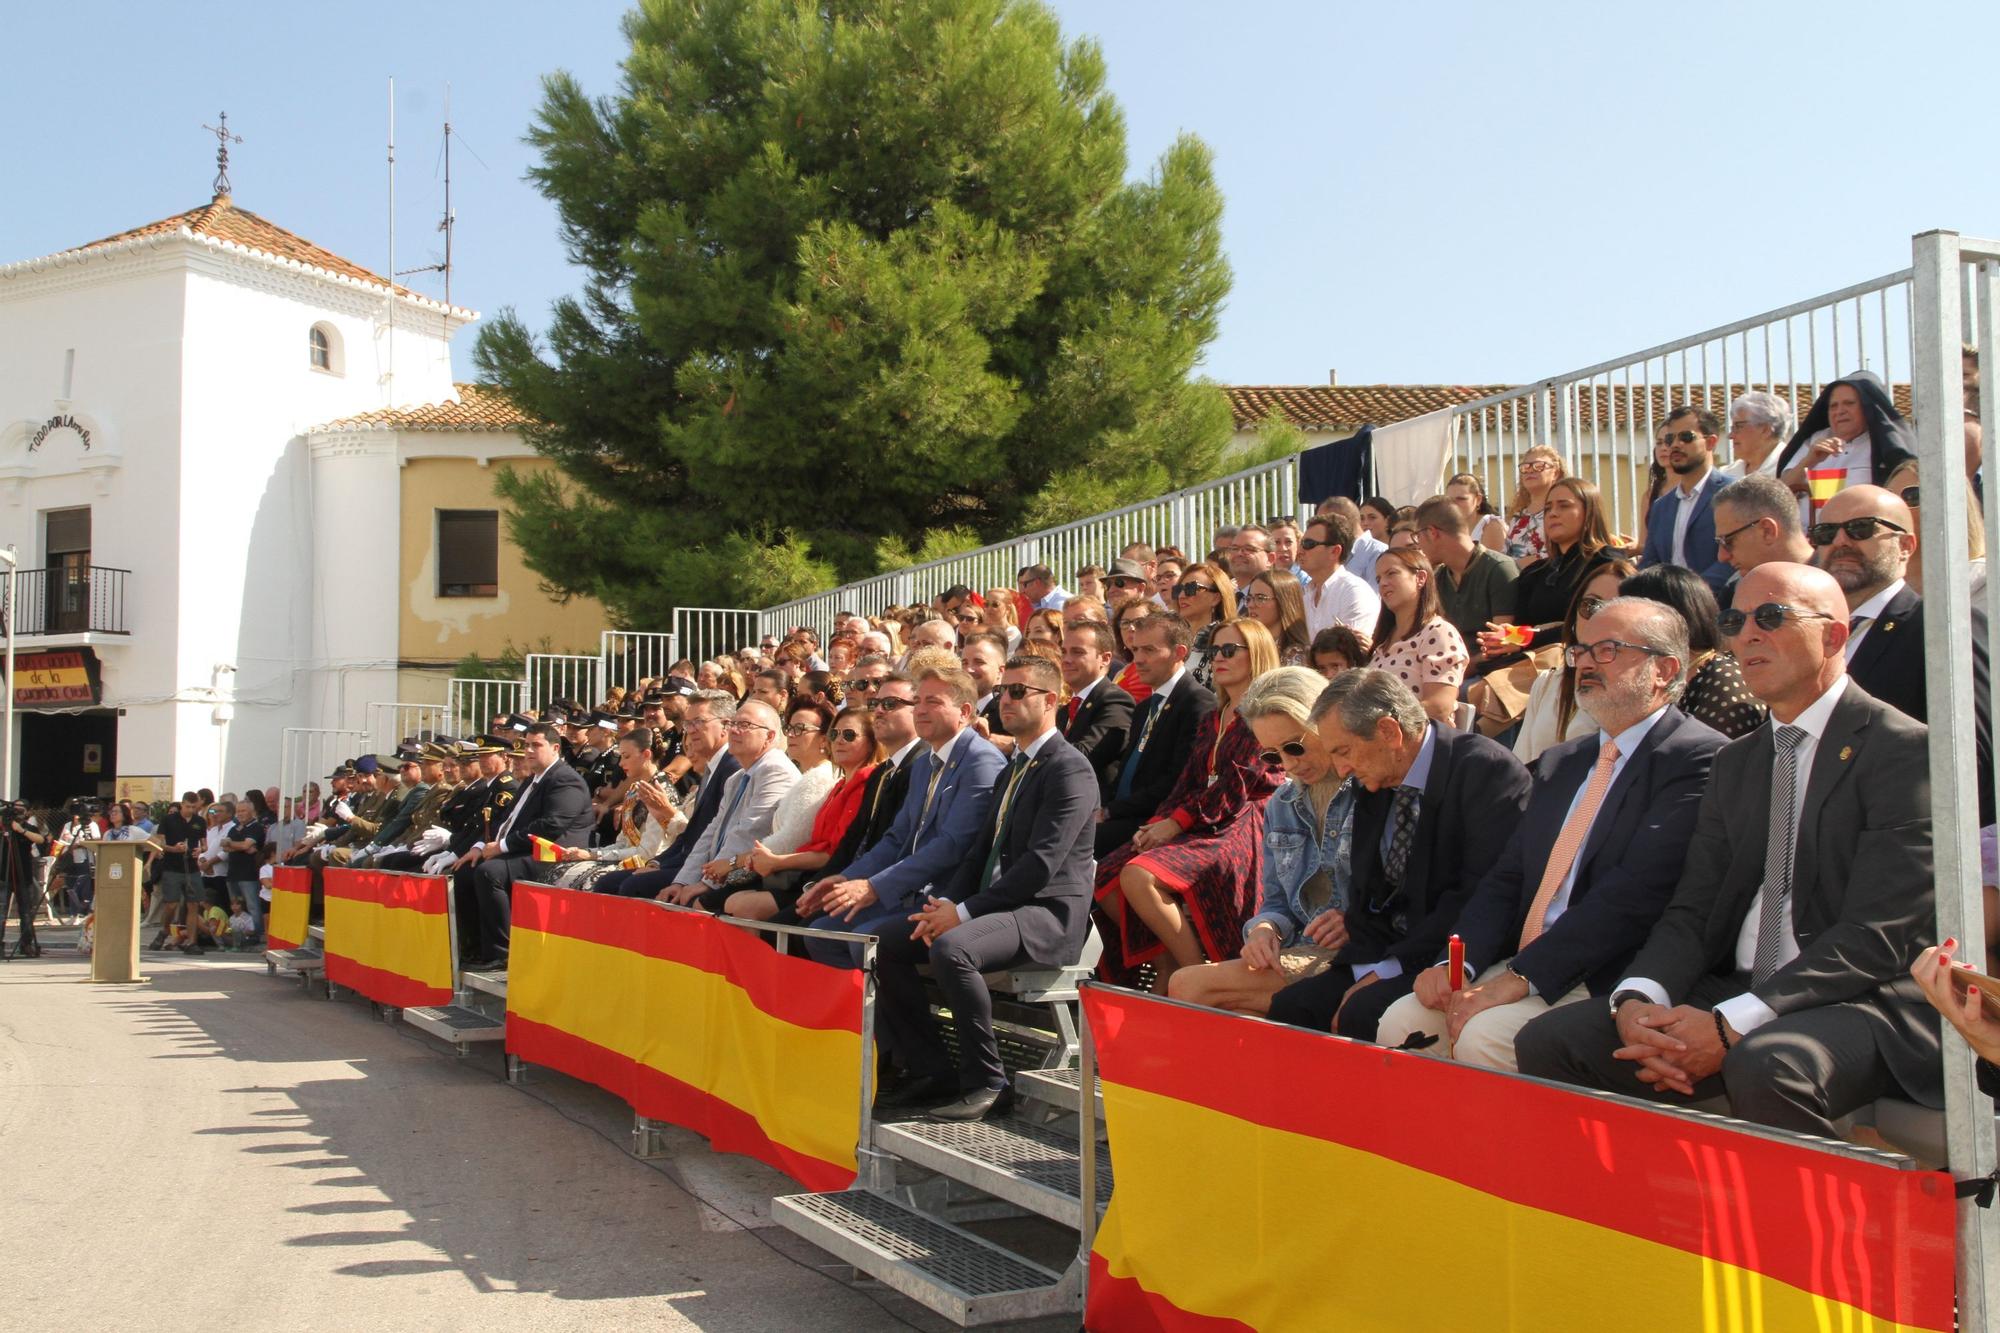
[923, 1090]
[974, 1105]
[189, 948]
[31, 949]
[159, 941]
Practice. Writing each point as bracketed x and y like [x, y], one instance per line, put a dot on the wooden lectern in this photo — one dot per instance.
[121, 871]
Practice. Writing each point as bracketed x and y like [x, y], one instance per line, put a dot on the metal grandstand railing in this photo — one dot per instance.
[1184, 518]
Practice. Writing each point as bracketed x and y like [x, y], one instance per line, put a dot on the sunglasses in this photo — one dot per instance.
[889, 705]
[1730, 536]
[864, 684]
[1312, 543]
[1909, 494]
[848, 734]
[799, 729]
[965, 617]
[1273, 758]
[1193, 589]
[1682, 437]
[1604, 652]
[1857, 529]
[1018, 692]
[1769, 617]
[1225, 651]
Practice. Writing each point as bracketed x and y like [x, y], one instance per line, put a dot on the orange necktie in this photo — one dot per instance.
[1563, 855]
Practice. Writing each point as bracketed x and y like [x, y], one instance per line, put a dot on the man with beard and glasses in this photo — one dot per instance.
[1680, 527]
[1594, 860]
[1864, 538]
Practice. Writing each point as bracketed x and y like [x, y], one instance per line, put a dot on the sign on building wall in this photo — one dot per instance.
[150, 790]
[67, 677]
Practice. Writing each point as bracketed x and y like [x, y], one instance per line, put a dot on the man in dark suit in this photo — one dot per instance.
[1098, 717]
[951, 789]
[1777, 975]
[1436, 810]
[1865, 537]
[554, 805]
[1162, 729]
[704, 728]
[1680, 527]
[1020, 895]
[1592, 864]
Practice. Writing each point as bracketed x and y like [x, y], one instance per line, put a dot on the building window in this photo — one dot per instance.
[323, 349]
[468, 545]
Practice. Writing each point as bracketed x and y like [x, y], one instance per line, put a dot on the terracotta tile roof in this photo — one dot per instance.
[479, 408]
[220, 219]
[1347, 407]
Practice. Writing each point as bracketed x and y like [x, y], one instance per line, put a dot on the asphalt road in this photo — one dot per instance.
[215, 1147]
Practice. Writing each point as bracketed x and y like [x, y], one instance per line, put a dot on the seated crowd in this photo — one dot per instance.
[1670, 792]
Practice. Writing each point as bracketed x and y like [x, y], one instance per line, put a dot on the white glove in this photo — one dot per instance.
[439, 863]
[343, 809]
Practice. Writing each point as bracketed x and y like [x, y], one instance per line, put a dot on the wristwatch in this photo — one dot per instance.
[1619, 997]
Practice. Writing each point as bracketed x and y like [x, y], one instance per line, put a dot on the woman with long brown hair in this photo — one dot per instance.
[1275, 602]
[1413, 640]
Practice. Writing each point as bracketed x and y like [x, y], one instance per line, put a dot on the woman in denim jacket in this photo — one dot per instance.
[1307, 860]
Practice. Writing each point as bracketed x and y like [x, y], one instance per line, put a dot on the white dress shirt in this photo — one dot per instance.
[1344, 599]
[1689, 497]
[1746, 1012]
[1871, 611]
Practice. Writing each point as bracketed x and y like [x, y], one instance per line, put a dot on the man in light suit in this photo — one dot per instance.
[1020, 895]
[1779, 973]
[1162, 729]
[1593, 862]
[749, 803]
[1680, 527]
[554, 804]
[951, 789]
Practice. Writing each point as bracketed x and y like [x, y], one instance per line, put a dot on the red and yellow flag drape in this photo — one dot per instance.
[1324, 1184]
[692, 1021]
[291, 900]
[388, 936]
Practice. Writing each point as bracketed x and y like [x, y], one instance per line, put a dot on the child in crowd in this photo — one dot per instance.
[241, 932]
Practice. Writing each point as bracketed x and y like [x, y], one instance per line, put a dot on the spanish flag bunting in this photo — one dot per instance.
[544, 849]
[1269, 1177]
[692, 1021]
[1823, 483]
[388, 936]
[291, 900]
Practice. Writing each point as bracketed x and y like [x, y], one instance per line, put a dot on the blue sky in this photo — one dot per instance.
[1415, 193]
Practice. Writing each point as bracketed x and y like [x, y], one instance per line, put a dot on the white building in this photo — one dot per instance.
[201, 569]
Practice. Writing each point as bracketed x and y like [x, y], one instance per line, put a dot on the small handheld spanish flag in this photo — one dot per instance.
[1823, 483]
[544, 849]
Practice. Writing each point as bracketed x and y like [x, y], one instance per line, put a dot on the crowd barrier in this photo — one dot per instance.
[696, 1021]
[1328, 1184]
[291, 906]
[389, 936]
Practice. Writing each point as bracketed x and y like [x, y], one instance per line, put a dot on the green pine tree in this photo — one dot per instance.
[865, 278]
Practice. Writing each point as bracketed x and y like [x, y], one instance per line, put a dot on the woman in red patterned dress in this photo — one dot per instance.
[1179, 892]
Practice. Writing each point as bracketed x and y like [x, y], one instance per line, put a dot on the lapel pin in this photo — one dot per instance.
[1846, 753]
[1888, 625]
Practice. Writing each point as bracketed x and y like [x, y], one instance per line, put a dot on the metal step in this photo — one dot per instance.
[487, 983]
[456, 1024]
[1031, 1166]
[317, 934]
[963, 1277]
[301, 961]
[1056, 1087]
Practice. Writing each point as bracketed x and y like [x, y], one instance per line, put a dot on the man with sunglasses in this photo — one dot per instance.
[950, 791]
[1864, 538]
[1680, 527]
[1777, 976]
[1757, 523]
[1334, 594]
[1592, 863]
[1020, 896]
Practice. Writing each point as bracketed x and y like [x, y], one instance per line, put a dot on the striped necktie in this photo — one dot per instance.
[1774, 917]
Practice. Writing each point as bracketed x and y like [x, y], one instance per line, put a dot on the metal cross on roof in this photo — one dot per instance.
[223, 138]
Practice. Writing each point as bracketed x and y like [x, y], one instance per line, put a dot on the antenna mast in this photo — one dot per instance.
[450, 220]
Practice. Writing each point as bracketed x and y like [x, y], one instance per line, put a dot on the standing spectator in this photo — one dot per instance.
[181, 836]
[1413, 641]
[1273, 601]
[1541, 468]
[1182, 888]
[1206, 600]
[79, 860]
[1475, 583]
[1467, 494]
[243, 849]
